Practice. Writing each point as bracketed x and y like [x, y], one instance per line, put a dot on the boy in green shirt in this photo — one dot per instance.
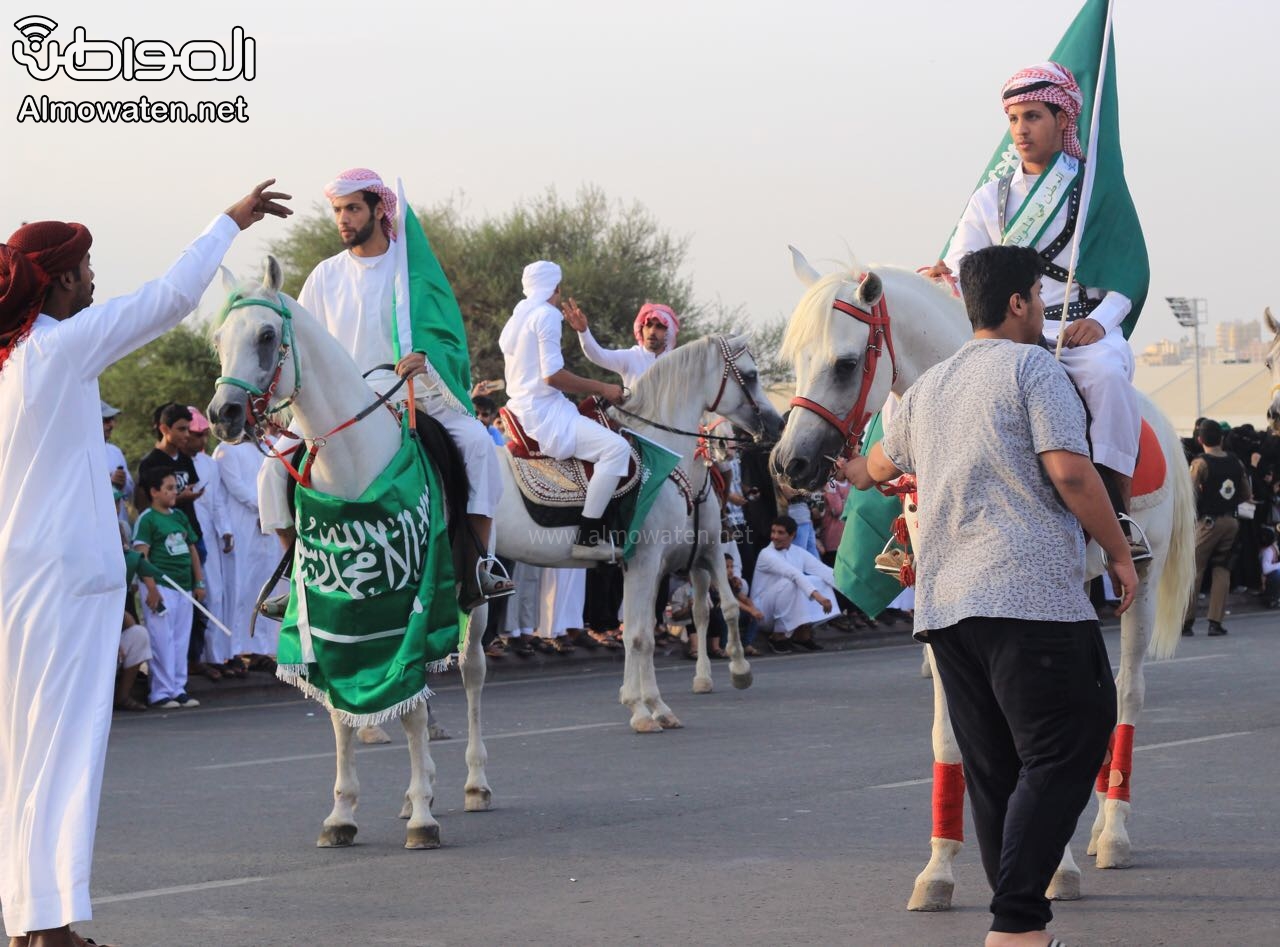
[167, 539]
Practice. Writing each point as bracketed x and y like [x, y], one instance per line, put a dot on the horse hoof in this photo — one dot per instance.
[646, 725]
[336, 836]
[669, 721]
[1064, 886]
[931, 896]
[423, 837]
[374, 734]
[406, 810]
[742, 681]
[478, 800]
[436, 733]
[1114, 852]
[702, 685]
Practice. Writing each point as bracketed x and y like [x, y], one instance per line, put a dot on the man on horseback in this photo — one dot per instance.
[1037, 205]
[537, 383]
[655, 331]
[353, 294]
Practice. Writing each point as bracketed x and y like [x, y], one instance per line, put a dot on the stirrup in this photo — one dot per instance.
[891, 559]
[489, 579]
[275, 606]
[1139, 545]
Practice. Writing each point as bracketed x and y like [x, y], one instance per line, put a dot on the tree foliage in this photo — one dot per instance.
[179, 366]
[615, 257]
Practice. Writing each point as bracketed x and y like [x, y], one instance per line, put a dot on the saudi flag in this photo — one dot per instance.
[868, 523]
[1113, 254]
[656, 465]
[426, 314]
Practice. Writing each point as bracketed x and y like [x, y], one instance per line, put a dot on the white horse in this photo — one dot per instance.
[716, 375]
[271, 343]
[1273, 366]
[839, 361]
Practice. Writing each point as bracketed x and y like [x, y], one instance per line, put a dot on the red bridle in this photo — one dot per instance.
[853, 424]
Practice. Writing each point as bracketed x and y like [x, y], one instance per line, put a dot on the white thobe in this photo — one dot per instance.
[1103, 371]
[211, 511]
[563, 595]
[62, 585]
[783, 581]
[254, 555]
[353, 296]
[629, 363]
[116, 461]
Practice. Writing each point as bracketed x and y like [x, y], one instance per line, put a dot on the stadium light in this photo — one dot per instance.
[1188, 311]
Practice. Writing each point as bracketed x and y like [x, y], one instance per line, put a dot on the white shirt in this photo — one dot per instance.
[793, 566]
[531, 349]
[629, 363]
[1270, 561]
[353, 297]
[980, 227]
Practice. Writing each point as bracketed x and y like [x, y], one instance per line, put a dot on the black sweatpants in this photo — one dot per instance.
[1032, 705]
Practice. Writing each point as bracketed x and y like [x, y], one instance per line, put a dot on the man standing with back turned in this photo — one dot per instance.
[1001, 592]
[62, 584]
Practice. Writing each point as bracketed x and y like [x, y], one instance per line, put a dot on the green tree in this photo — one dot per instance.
[615, 257]
[179, 366]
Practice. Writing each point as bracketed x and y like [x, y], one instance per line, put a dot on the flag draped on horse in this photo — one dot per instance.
[1113, 255]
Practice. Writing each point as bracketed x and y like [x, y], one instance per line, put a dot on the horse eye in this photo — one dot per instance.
[266, 336]
[845, 366]
[750, 377]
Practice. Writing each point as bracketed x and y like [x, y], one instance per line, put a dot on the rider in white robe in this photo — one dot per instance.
[61, 564]
[536, 385]
[791, 586]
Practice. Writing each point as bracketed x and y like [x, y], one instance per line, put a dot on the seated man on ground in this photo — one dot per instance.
[794, 590]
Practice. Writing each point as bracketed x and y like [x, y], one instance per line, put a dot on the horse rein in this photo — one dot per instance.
[879, 341]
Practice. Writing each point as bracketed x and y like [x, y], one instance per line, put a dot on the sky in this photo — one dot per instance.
[844, 127]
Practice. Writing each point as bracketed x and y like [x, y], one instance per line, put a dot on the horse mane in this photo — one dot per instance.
[810, 327]
[663, 390]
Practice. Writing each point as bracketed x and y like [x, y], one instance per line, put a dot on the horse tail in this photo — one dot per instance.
[1180, 562]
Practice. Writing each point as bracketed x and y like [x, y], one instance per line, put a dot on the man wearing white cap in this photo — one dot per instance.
[537, 383]
[121, 481]
[1037, 205]
[354, 294]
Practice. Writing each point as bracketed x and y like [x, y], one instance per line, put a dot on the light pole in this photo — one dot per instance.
[1191, 312]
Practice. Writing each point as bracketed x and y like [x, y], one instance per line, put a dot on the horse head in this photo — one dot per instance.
[1273, 365]
[838, 339]
[741, 398]
[257, 353]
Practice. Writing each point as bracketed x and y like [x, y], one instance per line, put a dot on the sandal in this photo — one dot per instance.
[129, 703]
[234, 668]
[751, 651]
[522, 647]
[717, 653]
[605, 640]
[562, 645]
[206, 670]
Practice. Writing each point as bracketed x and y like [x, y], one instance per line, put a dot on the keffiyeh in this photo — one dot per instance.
[362, 179]
[1052, 83]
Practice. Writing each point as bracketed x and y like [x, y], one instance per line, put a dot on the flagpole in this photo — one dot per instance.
[192, 599]
[1086, 187]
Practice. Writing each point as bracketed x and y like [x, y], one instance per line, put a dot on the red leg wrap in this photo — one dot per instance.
[1121, 763]
[1104, 774]
[948, 801]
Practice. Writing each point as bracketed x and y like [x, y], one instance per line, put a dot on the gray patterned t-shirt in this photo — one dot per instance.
[996, 540]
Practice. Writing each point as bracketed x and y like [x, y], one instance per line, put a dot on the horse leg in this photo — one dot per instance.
[339, 828]
[739, 666]
[701, 616]
[423, 830]
[925, 670]
[1111, 841]
[478, 796]
[935, 886]
[637, 635]
[1065, 883]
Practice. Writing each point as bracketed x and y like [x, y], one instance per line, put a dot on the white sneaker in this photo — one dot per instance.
[186, 702]
[169, 704]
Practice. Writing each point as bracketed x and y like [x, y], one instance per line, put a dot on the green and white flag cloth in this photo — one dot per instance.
[656, 465]
[868, 524]
[373, 607]
[426, 314]
[1113, 253]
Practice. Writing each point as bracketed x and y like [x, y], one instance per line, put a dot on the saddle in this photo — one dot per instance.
[555, 490]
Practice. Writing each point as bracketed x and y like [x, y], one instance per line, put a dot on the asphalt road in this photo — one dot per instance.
[796, 812]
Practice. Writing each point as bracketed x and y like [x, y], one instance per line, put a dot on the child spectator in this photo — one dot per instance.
[749, 616]
[166, 538]
[1270, 560]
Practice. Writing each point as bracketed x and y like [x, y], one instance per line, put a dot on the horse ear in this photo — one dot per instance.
[272, 275]
[229, 282]
[1271, 322]
[803, 270]
[870, 290]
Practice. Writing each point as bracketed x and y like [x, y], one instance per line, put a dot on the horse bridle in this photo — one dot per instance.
[879, 340]
[730, 369]
[258, 404]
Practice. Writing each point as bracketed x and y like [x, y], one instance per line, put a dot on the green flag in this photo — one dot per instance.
[427, 317]
[656, 463]
[868, 523]
[1113, 253]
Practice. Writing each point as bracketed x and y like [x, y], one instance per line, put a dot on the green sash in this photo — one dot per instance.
[1041, 206]
[373, 606]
